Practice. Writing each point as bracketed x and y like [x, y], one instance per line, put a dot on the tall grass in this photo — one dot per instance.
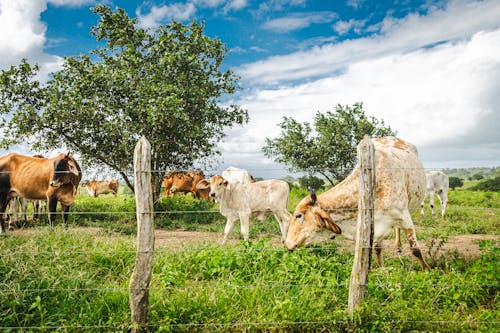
[76, 281]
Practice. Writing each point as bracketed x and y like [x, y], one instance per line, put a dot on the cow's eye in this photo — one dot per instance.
[299, 216]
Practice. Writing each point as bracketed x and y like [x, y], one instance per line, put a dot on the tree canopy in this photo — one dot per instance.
[330, 148]
[164, 84]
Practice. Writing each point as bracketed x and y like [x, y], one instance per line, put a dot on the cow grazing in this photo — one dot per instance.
[239, 201]
[400, 186]
[437, 182]
[53, 179]
[95, 188]
[182, 182]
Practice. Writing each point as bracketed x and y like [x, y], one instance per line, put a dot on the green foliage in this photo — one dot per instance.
[165, 85]
[487, 185]
[310, 181]
[331, 152]
[78, 280]
[455, 182]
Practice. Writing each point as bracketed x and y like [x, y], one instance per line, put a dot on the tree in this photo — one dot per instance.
[165, 85]
[455, 182]
[331, 149]
[313, 182]
[492, 185]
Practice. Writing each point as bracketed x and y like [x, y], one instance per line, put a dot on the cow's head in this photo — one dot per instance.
[203, 187]
[310, 224]
[66, 170]
[218, 186]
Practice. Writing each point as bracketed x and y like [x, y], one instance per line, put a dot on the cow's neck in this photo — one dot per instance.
[341, 202]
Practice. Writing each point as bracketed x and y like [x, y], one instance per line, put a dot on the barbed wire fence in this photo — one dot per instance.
[140, 323]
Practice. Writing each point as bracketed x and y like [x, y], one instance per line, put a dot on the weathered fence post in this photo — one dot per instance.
[364, 231]
[141, 277]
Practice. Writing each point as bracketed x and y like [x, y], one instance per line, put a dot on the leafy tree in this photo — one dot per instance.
[311, 181]
[331, 149]
[165, 85]
[476, 176]
[455, 182]
[492, 184]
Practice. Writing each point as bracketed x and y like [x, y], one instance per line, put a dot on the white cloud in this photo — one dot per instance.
[23, 35]
[343, 27]
[158, 15]
[298, 21]
[459, 20]
[444, 97]
[71, 3]
[235, 5]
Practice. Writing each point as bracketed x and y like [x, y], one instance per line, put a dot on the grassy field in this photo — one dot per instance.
[76, 279]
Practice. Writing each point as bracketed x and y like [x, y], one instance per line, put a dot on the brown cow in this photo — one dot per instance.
[183, 182]
[33, 178]
[95, 187]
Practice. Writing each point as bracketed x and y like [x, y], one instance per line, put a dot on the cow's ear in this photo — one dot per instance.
[327, 222]
[72, 168]
[203, 184]
[225, 182]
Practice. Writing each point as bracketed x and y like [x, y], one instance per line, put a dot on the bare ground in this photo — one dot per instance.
[466, 245]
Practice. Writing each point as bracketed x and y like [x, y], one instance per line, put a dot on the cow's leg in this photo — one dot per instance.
[443, 198]
[64, 212]
[36, 209]
[378, 252]
[415, 249]
[52, 206]
[397, 242]
[228, 228]
[245, 225]
[13, 213]
[283, 218]
[431, 201]
[3, 206]
[24, 207]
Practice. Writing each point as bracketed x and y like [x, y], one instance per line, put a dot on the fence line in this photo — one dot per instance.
[463, 323]
[267, 286]
[219, 171]
[259, 211]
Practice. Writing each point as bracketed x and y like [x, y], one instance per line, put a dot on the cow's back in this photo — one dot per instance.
[400, 176]
[28, 176]
[437, 181]
[267, 194]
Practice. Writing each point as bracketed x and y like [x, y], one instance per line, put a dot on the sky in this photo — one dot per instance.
[429, 69]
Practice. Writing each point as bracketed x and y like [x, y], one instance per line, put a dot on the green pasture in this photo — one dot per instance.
[76, 279]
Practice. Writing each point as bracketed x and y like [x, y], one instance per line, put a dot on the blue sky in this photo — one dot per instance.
[430, 69]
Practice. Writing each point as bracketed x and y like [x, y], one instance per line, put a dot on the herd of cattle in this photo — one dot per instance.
[401, 185]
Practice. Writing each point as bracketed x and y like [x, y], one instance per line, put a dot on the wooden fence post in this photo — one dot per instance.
[141, 277]
[364, 231]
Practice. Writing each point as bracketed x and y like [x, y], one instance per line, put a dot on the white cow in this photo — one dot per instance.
[437, 182]
[236, 175]
[239, 201]
[399, 187]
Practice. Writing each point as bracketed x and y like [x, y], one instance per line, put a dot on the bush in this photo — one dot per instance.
[456, 182]
[488, 185]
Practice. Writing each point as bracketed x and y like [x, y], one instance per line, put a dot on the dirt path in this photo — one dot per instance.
[467, 245]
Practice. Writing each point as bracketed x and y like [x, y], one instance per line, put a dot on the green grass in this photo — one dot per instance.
[76, 279]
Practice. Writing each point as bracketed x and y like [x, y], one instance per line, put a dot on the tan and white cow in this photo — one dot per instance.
[239, 201]
[95, 187]
[400, 187]
[437, 182]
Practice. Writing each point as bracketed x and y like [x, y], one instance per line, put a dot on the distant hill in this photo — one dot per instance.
[473, 173]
